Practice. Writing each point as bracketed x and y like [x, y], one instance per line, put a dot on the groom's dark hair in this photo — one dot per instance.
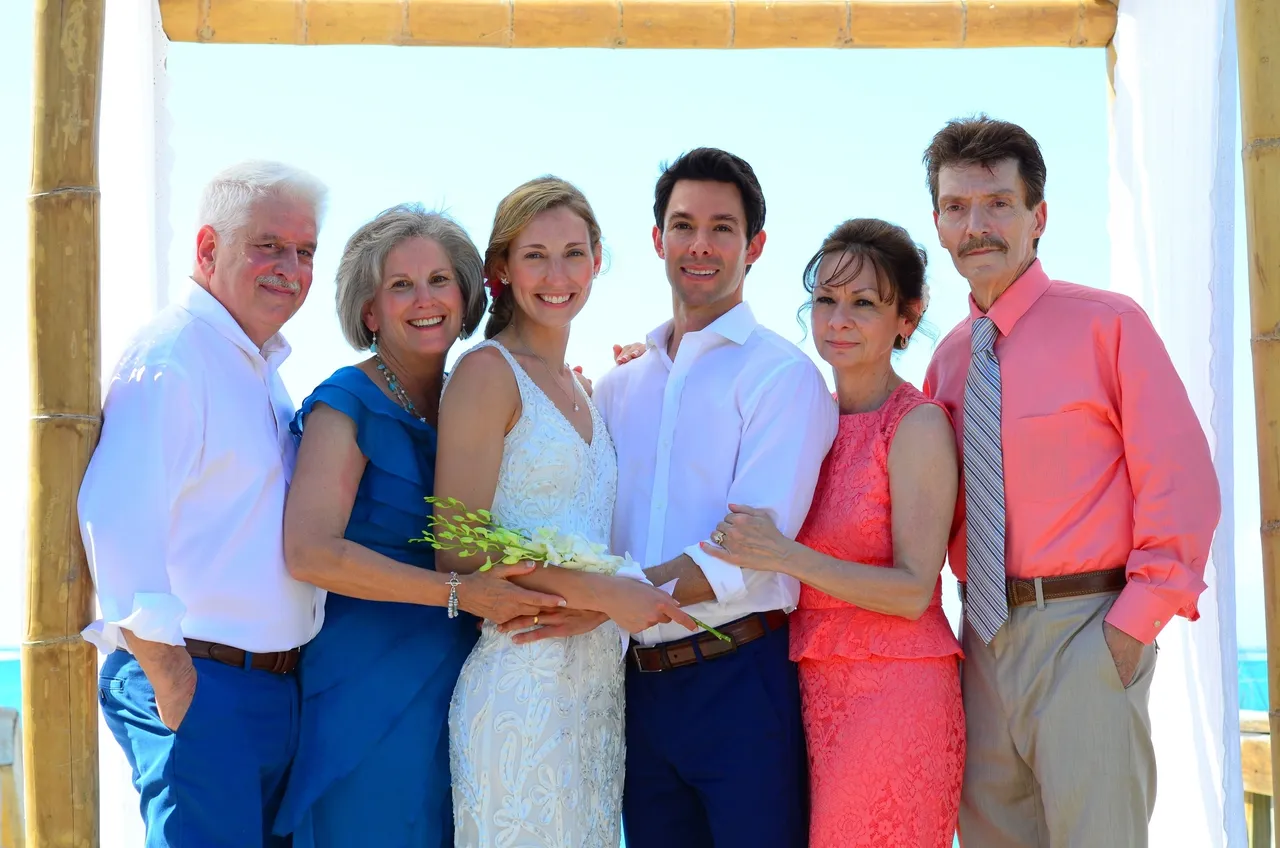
[709, 164]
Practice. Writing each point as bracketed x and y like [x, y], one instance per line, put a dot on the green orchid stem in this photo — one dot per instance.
[712, 631]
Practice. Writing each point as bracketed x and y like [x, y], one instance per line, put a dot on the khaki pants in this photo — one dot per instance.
[1059, 753]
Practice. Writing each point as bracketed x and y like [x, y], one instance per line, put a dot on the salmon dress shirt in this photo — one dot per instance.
[1105, 462]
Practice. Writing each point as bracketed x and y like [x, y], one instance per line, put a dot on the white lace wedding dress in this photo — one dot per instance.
[535, 731]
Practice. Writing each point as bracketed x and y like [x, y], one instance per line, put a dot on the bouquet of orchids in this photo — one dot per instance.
[474, 534]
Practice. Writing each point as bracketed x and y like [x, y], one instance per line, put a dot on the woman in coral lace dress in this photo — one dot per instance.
[879, 675]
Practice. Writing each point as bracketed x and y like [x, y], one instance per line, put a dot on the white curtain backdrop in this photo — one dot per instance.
[133, 169]
[1173, 149]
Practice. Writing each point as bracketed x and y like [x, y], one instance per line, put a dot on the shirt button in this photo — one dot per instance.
[1157, 622]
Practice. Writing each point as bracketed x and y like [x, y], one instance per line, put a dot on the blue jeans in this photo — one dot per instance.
[217, 780]
[716, 753]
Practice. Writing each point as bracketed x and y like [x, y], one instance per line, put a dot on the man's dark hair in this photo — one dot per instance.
[717, 166]
[985, 141]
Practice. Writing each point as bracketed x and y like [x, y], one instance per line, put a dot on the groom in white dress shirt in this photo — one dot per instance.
[181, 512]
[718, 411]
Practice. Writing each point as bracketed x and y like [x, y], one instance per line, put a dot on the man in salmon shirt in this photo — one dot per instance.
[1088, 505]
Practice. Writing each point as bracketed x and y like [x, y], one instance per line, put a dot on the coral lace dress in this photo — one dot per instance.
[880, 694]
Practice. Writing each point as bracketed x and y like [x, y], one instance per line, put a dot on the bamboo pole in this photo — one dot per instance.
[1258, 41]
[646, 23]
[59, 670]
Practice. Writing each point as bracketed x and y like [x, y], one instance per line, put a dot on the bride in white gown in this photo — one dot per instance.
[536, 729]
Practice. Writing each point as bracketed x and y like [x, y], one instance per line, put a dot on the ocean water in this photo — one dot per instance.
[1252, 668]
[10, 680]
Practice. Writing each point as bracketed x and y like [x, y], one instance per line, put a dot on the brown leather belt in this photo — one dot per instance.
[1022, 592]
[704, 646]
[276, 662]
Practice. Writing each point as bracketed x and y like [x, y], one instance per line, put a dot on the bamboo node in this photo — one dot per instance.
[1259, 144]
[87, 190]
[73, 416]
[59, 640]
[1273, 336]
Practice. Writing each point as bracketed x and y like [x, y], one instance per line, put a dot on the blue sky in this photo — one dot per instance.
[831, 134]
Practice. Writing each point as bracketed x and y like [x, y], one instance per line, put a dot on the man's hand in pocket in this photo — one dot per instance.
[1126, 652]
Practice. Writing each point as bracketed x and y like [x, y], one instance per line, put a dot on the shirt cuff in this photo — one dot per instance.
[1140, 612]
[726, 580]
[155, 617]
[632, 571]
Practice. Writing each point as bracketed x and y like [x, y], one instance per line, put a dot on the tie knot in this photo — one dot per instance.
[983, 336]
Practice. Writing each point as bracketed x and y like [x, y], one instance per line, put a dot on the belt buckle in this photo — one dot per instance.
[665, 665]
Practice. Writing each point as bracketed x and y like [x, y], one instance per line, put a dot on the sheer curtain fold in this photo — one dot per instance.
[1173, 143]
[134, 160]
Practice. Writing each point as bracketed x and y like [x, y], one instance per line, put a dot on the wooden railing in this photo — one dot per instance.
[11, 830]
[1255, 760]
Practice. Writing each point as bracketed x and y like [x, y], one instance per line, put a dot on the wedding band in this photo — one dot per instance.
[535, 619]
[718, 538]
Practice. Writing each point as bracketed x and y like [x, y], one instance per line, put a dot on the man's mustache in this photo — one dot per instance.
[270, 280]
[983, 243]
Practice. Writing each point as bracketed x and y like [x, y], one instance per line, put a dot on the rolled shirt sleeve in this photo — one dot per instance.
[1177, 501]
[150, 445]
[789, 426]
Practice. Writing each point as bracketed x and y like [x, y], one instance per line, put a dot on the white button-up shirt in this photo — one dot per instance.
[182, 506]
[741, 416]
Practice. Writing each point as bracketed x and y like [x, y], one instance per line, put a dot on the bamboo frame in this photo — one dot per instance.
[1258, 41]
[59, 670]
[667, 24]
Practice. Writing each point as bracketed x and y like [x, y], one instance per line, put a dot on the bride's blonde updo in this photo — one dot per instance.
[514, 213]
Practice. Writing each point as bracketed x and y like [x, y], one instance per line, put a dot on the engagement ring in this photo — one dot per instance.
[718, 538]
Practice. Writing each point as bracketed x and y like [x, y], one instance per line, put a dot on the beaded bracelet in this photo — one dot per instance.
[454, 583]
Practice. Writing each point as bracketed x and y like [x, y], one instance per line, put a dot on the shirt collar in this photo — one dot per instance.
[735, 326]
[198, 301]
[1016, 300]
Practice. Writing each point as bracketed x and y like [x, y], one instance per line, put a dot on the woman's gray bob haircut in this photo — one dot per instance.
[360, 270]
[229, 197]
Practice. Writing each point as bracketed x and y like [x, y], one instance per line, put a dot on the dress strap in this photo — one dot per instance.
[528, 389]
[904, 399]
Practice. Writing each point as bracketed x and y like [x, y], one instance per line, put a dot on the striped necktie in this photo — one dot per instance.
[986, 601]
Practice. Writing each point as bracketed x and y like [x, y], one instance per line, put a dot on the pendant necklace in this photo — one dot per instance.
[571, 398]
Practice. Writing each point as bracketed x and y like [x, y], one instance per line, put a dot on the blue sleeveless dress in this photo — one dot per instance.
[373, 754]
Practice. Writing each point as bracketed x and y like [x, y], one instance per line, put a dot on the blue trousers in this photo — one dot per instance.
[716, 753]
[216, 782]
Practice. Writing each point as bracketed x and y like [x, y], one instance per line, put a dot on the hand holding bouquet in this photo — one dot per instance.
[474, 534]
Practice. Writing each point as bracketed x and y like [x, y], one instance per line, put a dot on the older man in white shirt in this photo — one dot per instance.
[718, 411]
[181, 513]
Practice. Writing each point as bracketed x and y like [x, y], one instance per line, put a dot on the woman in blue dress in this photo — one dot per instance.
[372, 765]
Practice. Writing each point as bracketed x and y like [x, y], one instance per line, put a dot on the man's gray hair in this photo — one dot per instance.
[228, 198]
[360, 270]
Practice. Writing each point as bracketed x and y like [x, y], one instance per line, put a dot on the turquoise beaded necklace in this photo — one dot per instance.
[393, 382]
